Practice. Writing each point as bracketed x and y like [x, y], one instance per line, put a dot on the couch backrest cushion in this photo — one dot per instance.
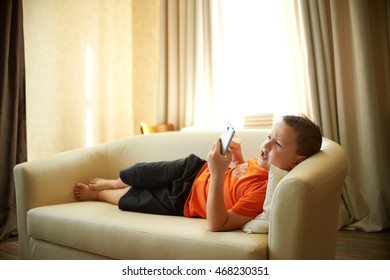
[173, 145]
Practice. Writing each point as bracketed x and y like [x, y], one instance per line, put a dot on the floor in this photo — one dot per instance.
[357, 245]
[9, 249]
[351, 245]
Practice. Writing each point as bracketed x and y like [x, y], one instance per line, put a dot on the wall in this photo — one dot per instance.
[145, 60]
[91, 70]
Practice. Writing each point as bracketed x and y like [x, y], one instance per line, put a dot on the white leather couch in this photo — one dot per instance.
[52, 225]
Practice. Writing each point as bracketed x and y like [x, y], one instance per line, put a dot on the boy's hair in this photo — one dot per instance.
[309, 135]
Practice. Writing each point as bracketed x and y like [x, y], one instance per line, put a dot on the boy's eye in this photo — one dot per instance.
[278, 144]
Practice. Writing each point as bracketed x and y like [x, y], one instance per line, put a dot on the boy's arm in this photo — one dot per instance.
[218, 217]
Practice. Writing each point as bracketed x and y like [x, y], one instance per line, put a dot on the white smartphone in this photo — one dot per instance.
[226, 138]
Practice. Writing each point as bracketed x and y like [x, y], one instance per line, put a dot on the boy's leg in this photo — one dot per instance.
[99, 184]
[156, 175]
[160, 187]
[83, 192]
[144, 175]
[112, 196]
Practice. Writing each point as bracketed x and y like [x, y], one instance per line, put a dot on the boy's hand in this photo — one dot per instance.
[217, 162]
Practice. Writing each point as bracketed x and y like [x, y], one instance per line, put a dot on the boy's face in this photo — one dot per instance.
[279, 149]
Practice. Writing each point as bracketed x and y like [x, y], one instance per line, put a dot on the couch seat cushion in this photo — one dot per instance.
[103, 229]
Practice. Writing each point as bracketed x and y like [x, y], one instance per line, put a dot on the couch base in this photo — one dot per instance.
[98, 230]
[44, 250]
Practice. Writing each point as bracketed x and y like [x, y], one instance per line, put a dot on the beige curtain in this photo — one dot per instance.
[187, 53]
[78, 73]
[348, 54]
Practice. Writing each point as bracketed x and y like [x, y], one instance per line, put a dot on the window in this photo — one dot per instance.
[258, 73]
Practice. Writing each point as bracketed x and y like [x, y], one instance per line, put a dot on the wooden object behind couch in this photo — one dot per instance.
[147, 129]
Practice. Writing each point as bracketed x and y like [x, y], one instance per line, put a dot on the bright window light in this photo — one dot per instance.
[258, 72]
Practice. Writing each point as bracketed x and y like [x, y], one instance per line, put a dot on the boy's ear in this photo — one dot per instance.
[298, 161]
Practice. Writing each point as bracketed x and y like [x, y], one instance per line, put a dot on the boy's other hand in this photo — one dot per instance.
[235, 147]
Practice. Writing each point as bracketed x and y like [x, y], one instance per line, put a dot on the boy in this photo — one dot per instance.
[227, 197]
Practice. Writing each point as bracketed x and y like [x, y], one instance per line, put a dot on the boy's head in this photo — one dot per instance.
[290, 141]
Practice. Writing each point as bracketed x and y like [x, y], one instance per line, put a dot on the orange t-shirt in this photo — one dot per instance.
[244, 190]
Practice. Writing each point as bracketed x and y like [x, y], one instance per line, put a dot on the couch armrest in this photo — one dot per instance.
[304, 212]
[50, 181]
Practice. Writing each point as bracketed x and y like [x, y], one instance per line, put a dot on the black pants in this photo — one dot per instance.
[159, 187]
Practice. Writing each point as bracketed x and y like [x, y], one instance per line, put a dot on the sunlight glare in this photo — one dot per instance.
[258, 73]
[88, 96]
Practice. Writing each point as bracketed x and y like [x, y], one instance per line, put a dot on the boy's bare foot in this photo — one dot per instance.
[83, 192]
[99, 184]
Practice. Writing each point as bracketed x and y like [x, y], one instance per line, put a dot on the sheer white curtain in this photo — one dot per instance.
[259, 61]
[223, 60]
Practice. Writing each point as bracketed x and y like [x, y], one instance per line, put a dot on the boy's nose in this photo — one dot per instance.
[268, 145]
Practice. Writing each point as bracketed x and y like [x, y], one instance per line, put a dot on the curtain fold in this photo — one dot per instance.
[186, 62]
[324, 106]
[13, 110]
[348, 48]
